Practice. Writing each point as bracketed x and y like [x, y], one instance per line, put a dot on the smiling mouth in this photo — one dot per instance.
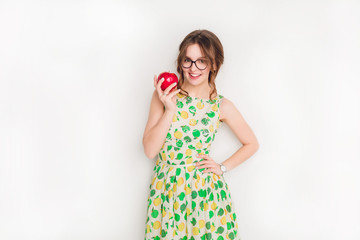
[195, 76]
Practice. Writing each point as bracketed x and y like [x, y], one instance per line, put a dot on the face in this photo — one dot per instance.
[193, 75]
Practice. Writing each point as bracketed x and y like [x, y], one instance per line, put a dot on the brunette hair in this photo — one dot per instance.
[211, 47]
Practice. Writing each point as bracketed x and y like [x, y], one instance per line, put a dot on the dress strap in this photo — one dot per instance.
[221, 98]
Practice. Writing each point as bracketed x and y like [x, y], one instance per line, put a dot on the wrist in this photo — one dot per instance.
[223, 168]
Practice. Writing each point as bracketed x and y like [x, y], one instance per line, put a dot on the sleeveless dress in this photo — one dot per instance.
[183, 202]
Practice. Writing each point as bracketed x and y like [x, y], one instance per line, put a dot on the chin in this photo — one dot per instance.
[196, 81]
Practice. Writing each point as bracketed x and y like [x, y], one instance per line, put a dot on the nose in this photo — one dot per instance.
[193, 67]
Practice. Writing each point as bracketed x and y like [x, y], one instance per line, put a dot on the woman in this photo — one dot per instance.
[188, 197]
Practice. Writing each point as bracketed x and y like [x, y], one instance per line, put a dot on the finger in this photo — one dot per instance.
[159, 82]
[208, 170]
[174, 93]
[202, 163]
[207, 165]
[155, 80]
[204, 166]
[158, 86]
[167, 90]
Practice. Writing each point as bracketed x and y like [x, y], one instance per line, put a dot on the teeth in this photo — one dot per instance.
[194, 75]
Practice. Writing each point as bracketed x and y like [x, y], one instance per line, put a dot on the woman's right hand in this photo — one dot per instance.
[165, 97]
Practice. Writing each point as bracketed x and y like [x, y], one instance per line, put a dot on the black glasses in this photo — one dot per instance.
[201, 64]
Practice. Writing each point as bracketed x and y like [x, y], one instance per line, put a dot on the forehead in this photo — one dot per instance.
[194, 51]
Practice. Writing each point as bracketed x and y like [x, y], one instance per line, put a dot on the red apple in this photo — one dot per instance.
[169, 78]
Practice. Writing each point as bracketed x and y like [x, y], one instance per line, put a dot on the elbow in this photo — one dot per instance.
[257, 146]
[150, 154]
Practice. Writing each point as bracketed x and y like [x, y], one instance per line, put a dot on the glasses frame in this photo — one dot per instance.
[194, 63]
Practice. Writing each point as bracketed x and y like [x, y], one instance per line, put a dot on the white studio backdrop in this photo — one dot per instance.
[76, 79]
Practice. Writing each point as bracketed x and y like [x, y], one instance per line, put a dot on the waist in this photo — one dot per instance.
[178, 163]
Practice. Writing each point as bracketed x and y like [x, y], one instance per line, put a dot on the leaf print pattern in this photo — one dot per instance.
[183, 202]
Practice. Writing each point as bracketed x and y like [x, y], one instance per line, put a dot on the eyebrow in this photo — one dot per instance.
[198, 58]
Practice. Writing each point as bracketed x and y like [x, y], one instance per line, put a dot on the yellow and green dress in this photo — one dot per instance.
[183, 202]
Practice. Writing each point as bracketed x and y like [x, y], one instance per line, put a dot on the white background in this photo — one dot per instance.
[76, 84]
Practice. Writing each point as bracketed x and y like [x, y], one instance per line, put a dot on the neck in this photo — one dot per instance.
[200, 91]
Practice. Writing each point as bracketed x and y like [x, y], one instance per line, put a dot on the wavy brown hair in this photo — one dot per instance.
[211, 47]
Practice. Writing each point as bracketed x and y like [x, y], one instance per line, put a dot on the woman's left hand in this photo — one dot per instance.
[210, 164]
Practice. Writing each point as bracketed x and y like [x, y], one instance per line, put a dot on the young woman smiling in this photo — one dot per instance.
[188, 196]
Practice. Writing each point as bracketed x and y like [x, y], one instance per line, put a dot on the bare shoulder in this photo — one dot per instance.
[234, 119]
[227, 108]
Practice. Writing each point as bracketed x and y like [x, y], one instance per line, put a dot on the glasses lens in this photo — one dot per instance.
[186, 63]
[201, 64]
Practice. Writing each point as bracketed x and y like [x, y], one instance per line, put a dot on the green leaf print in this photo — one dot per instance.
[220, 230]
[208, 236]
[202, 205]
[228, 226]
[223, 194]
[152, 192]
[211, 213]
[208, 225]
[192, 110]
[188, 100]
[211, 197]
[220, 238]
[179, 156]
[177, 217]
[205, 121]
[202, 193]
[193, 221]
[179, 143]
[228, 208]
[183, 207]
[211, 114]
[168, 136]
[187, 139]
[169, 147]
[221, 212]
[191, 147]
[178, 171]
[185, 128]
[161, 175]
[205, 132]
[182, 196]
[231, 235]
[193, 205]
[196, 133]
[163, 233]
[187, 175]
[179, 104]
[194, 194]
[208, 140]
[176, 148]
[155, 213]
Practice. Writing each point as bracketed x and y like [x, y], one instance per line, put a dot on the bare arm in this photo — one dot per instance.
[159, 120]
[233, 118]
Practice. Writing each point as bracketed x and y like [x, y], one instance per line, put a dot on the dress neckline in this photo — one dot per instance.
[204, 99]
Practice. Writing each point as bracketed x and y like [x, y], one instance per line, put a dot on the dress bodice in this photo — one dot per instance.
[192, 130]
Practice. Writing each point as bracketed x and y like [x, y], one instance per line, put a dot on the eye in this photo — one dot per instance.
[187, 60]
